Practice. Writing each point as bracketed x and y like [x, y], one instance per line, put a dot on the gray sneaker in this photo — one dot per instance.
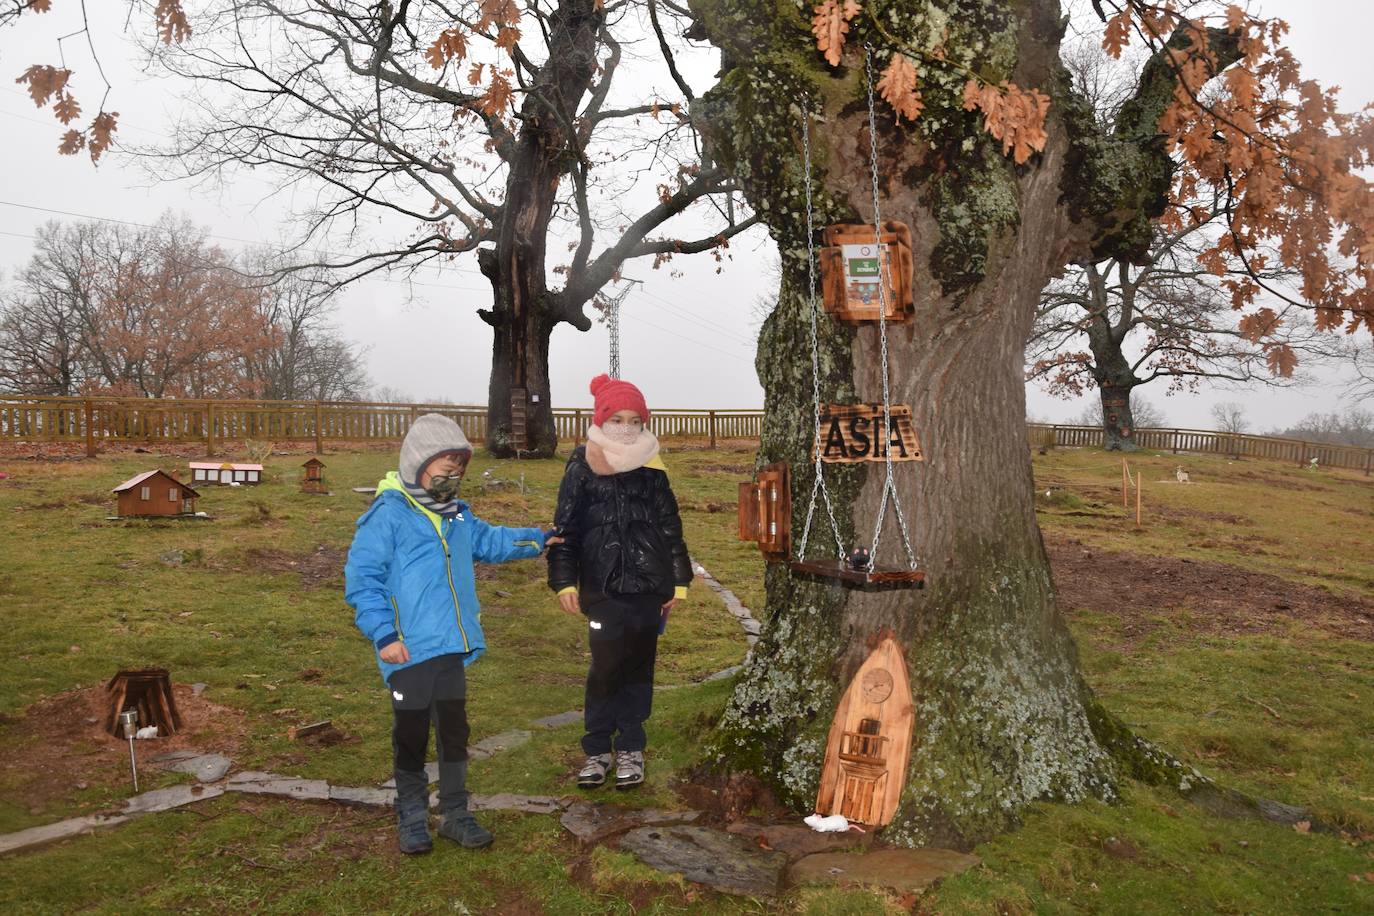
[594, 771]
[629, 769]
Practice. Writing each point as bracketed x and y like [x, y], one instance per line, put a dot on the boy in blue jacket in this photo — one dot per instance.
[409, 579]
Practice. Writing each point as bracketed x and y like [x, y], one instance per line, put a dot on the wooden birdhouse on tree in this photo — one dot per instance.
[861, 274]
[870, 741]
[765, 511]
[155, 493]
[313, 481]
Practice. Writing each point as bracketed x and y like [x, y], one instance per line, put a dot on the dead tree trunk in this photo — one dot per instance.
[1003, 716]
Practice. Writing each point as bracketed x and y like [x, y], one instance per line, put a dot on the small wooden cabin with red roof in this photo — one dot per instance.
[155, 493]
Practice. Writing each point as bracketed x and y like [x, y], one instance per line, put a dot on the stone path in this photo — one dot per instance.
[752, 627]
[719, 860]
[906, 870]
[590, 823]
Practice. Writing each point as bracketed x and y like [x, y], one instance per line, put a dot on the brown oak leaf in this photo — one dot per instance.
[451, 45]
[900, 87]
[830, 24]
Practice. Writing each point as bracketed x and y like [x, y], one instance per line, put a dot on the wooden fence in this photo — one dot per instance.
[180, 420]
[1206, 441]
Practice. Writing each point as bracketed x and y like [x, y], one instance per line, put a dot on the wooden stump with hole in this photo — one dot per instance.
[870, 741]
[148, 690]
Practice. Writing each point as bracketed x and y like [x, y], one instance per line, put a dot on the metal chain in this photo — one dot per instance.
[889, 486]
[818, 487]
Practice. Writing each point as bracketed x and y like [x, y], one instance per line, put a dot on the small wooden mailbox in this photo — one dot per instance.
[765, 511]
[313, 481]
[870, 741]
[853, 264]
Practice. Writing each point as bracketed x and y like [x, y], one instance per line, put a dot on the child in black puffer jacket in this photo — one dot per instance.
[624, 564]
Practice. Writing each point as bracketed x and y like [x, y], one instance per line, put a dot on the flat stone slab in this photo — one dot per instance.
[362, 795]
[205, 767]
[900, 869]
[505, 801]
[722, 674]
[169, 798]
[256, 783]
[593, 823]
[563, 718]
[797, 841]
[431, 772]
[498, 743]
[726, 863]
[34, 837]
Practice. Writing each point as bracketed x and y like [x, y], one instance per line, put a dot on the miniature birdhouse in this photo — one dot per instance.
[870, 741]
[313, 481]
[864, 278]
[155, 493]
[765, 511]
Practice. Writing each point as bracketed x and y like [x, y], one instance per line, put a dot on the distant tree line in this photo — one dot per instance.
[1353, 427]
[158, 311]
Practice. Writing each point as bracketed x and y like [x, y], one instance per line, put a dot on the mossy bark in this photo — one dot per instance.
[1003, 717]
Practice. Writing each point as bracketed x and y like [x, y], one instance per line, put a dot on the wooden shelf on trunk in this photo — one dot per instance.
[874, 577]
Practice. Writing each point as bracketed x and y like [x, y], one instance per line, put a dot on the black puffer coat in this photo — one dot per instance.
[623, 534]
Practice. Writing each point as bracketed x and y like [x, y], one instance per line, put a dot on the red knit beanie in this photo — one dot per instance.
[614, 395]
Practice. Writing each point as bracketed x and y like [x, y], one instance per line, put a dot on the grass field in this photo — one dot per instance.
[1234, 628]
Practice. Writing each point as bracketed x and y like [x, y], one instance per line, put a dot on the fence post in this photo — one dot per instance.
[1174, 437]
[577, 427]
[210, 430]
[1368, 455]
[319, 434]
[711, 428]
[90, 430]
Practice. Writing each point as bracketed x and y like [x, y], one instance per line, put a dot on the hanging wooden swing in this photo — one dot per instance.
[862, 293]
[862, 280]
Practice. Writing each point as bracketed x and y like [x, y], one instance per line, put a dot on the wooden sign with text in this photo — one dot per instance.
[854, 432]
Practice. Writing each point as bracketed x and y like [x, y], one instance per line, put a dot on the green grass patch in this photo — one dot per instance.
[1286, 712]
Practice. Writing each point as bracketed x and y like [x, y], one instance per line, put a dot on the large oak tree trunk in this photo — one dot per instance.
[1003, 717]
[524, 312]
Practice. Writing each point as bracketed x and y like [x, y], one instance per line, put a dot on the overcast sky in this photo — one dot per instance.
[688, 341]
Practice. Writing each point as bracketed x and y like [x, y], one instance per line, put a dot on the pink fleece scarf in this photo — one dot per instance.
[605, 456]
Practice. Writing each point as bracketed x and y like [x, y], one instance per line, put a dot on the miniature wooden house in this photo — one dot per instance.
[226, 473]
[155, 493]
[313, 481]
[765, 511]
[860, 275]
[870, 741]
[148, 690]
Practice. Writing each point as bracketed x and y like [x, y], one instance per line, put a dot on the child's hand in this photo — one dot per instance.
[568, 602]
[669, 605]
[395, 654]
[550, 541]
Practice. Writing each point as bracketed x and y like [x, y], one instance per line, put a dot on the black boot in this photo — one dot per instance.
[412, 812]
[456, 821]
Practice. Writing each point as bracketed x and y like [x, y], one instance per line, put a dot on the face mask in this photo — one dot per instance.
[624, 433]
[443, 489]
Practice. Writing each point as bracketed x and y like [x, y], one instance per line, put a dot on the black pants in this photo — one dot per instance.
[623, 634]
[434, 690]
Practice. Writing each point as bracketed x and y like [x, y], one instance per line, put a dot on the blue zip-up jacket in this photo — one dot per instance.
[409, 575]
